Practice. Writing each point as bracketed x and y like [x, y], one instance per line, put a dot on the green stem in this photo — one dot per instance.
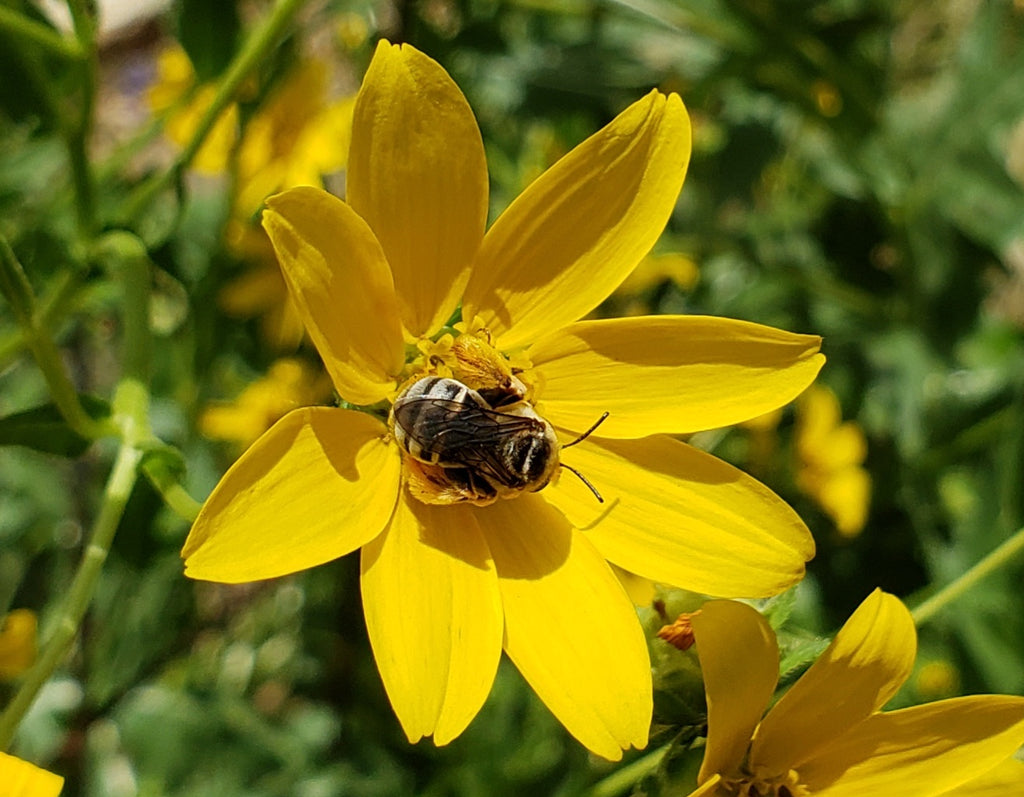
[48, 310]
[81, 129]
[997, 559]
[623, 779]
[18, 292]
[175, 496]
[39, 34]
[115, 497]
[262, 40]
[125, 258]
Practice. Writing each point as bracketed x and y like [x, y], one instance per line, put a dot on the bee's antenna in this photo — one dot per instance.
[583, 437]
[583, 478]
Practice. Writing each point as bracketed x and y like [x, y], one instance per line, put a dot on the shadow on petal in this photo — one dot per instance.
[535, 537]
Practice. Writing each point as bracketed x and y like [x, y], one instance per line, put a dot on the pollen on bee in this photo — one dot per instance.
[680, 633]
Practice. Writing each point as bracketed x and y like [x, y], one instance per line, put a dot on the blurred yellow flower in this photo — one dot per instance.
[826, 736]
[174, 92]
[829, 458]
[296, 137]
[451, 574]
[936, 679]
[288, 384]
[21, 779]
[261, 291]
[661, 267]
[17, 643]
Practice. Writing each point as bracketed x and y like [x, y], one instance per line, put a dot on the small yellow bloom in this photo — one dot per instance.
[827, 735]
[657, 268]
[447, 583]
[17, 643]
[830, 454]
[21, 779]
[288, 384]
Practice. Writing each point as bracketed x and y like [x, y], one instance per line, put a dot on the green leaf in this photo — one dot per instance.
[209, 32]
[44, 429]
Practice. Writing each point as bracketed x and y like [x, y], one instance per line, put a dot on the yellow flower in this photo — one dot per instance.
[830, 455]
[174, 92]
[657, 268]
[826, 736]
[22, 779]
[287, 385]
[446, 586]
[17, 643]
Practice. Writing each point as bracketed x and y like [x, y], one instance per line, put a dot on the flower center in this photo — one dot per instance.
[746, 785]
[467, 426]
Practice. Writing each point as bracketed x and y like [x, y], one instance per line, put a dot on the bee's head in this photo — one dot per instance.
[533, 458]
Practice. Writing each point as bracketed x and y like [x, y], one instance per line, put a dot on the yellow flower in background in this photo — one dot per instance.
[827, 735]
[260, 291]
[451, 573]
[658, 268]
[297, 135]
[295, 138]
[21, 779]
[287, 385]
[830, 453]
[17, 643]
[174, 92]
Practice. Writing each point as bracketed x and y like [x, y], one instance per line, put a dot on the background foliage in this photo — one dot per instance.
[857, 173]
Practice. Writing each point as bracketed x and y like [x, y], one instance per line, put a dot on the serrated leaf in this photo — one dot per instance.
[44, 429]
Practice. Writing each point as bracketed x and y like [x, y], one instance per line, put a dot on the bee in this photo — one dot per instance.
[466, 447]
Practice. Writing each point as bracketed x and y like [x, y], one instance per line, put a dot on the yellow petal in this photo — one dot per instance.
[341, 285]
[739, 659]
[679, 516]
[1005, 780]
[433, 614]
[922, 751]
[319, 484]
[578, 230]
[676, 374]
[17, 643]
[846, 496]
[870, 657]
[22, 779]
[569, 626]
[418, 175]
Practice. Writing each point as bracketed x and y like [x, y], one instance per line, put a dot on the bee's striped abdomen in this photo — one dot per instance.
[414, 423]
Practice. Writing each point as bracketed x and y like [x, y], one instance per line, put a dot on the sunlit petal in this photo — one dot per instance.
[22, 779]
[679, 516]
[577, 231]
[418, 175]
[870, 657]
[921, 751]
[739, 658]
[341, 285]
[433, 614]
[674, 374]
[1005, 780]
[319, 484]
[569, 626]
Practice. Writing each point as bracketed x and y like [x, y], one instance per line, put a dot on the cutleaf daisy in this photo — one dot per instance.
[460, 562]
[826, 736]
